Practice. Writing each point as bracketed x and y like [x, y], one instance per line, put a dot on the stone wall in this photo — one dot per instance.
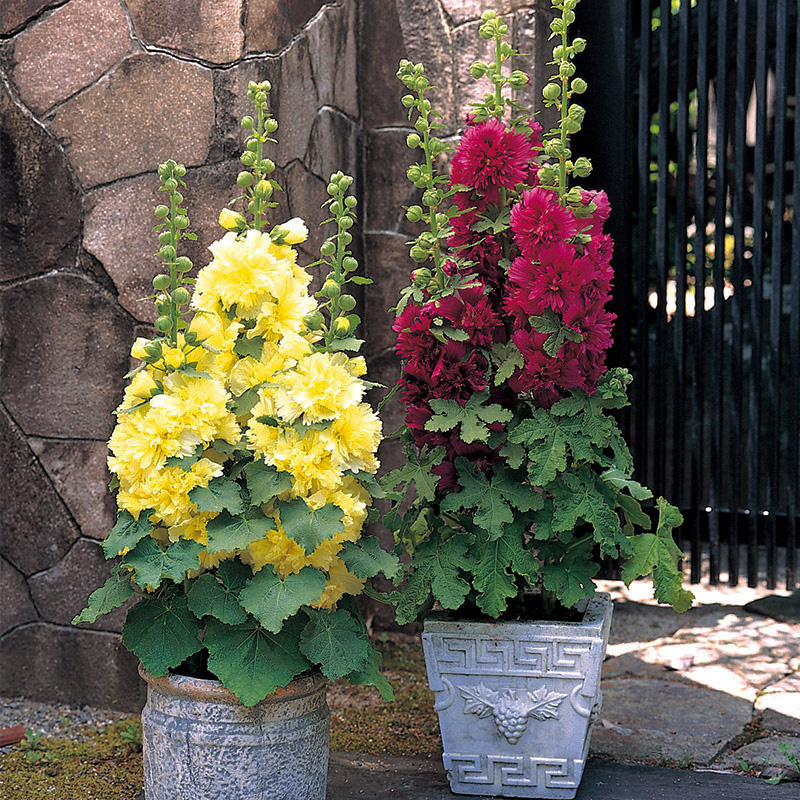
[95, 93]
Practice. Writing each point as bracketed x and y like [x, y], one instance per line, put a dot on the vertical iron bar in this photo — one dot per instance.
[700, 217]
[773, 432]
[718, 350]
[756, 290]
[737, 317]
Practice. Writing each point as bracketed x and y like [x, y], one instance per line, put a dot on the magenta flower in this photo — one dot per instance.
[539, 220]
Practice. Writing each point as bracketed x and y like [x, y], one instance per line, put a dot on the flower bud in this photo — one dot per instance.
[180, 296]
[552, 91]
[407, 100]
[421, 125]
[161, 212]
[167, 252]
[261, 98]
[163, 305]
[252, 145]
[578, 86]
[518, 79]
[270, 125]
[328, 248]
[248, 122]
[263, 190]
[190, 337]
[414, 173]
[350, 201]
[245, 179]
[421, 277]
[569, 17]
[413, 140]
[574, 195]
[347, 302]
[487, 15]
[345, 238]
[247, 158]
[414, 213]
[572, 125]
[161, 282]
[341, 326]
[171, 184]
[566, 70]
[478, 69]
[181, 222]
[231, 220]
[295, 231]
[253, 206]
[419, 254]
[349, 264]
[153, 350]
[547, 175]
[345, 223]
[183, 264]
[579, 45]
[165, 237]
[163, 324]
[313, 321]
[330, 289]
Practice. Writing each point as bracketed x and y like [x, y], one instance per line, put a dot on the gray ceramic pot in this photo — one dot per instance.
[200, 743]
[517, 700]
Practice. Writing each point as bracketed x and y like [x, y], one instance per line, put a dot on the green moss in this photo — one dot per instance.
[105, 766]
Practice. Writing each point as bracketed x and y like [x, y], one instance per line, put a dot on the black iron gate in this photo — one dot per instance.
[692, 124]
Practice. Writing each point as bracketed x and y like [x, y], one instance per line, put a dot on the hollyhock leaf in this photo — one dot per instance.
[571, 578]
[350, 343]
[112, 594]
[508, 360]
[217, 594]
[245, 401]
[221, 494]
[519, 495]
[514, 454]
[472, 417]
[272, 599]
[127, 533]
[162, 632]
[251, 661]
[623, 460]
[249, 346]
[371, 676]
[185, 462]
[310, 527]
[416, 470]
[492, 510]
[226, 532]
[633, 511]
[619, 480]
[265, 483]
[335, 641]
[151, 564]
[366, 558]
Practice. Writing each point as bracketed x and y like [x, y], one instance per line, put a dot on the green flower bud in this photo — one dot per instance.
[341, 326]
[261, 98]
[270, 125]
[350, 201]
[183, 264]
[349, 264]
[478, 69]
[161, 212]
[347, 302]
[328, 248]
[547, 175]
[421, 277]
[180, 296]
[414, 213]
[413, 140]
[330, 289]
[164, 324]
[268, 165]
[432, 197]
[332, 188]
[190, 337]
[552, 91]
[518, 79]
[421, 125]
[345, 238]
[578, 86]
[345, 223]
[171, 184]
[419, 254]
[153, 349]
[165, 237]
[314, 320]
[572, 125]
[247, 158]
[558, 52]
[414, 173]
[487, 15]
[577, 112]
[407, 100]
[566, 70]
[245, 179]
[248, 123]
[167, 252]
[569, 17]
[579, 45]
[336, 208]
[263, 190]
[252, 145]
[163, 305]
[181, 222]
[557, 25]
[161, 282]
[253, 206]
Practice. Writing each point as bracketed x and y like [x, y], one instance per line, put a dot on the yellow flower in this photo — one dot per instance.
[276, 548]
[231, 220]
[308, 460]
[319, 389]
[340, 582]
[354, 437]
[137, 348]
[295, 231]
[283, 313]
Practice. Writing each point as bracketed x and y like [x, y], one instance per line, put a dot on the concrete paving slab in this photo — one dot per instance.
[367, 777]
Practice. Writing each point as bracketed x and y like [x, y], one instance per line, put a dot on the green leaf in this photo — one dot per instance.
[335, 641]
[514, 454]
[249, 346]
[371, 676]
[272, 599]
[348, 343]
[571, 578]
[162, 632]
[366, 558]
[471, 417]
[230, 533]
[217, 594]
[416, 470]
[112, 594]
[186, 462]
[495, 564]
[221, 494]
[360, 280]
[127, 532]
[492, 511]
[265, 483]
[310, 527]
[151, 564]
[551, 323]
[245, 401]
[251, 661]
[546, 436]
[508, 360]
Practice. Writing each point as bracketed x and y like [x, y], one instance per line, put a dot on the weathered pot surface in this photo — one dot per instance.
[201, 743]
[517, 700]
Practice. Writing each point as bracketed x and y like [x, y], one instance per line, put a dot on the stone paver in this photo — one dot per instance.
[14, 598]
[779, 705]
[761, 754]
[14, 13]
[271, 24]
[73, 46]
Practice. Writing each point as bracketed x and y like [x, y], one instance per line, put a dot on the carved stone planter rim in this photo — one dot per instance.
[210, 690]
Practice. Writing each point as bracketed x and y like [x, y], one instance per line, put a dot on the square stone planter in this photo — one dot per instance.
[517, 700]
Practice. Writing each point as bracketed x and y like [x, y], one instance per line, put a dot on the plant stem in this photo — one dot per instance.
[173, 273]
[499, 106]
[257, 167]
[562, 159]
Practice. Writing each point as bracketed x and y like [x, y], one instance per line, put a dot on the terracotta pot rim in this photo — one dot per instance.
[211, 690]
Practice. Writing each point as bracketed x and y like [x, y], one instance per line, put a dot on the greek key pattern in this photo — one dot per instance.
[457, 655]
[527, 771]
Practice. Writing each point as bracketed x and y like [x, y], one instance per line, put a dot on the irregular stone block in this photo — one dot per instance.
[149, 108]
[389, 265]
[14, 13]
[208, 29]
[73, 46]
[306, 193]
[467, 48]
[66, 351]
[334, 57]
[761, 753]
[62, 591]
[63, 665]
[79, 473]
[271, 24]
[333, 145]
[119, 222]
[461, 11]
[382, 46]
[647, 708]
[780, 705]
[15, 599]
[37, 530]
[36, 234]
[388, 189]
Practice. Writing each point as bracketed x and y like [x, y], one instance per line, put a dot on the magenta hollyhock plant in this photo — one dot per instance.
[521, 477]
